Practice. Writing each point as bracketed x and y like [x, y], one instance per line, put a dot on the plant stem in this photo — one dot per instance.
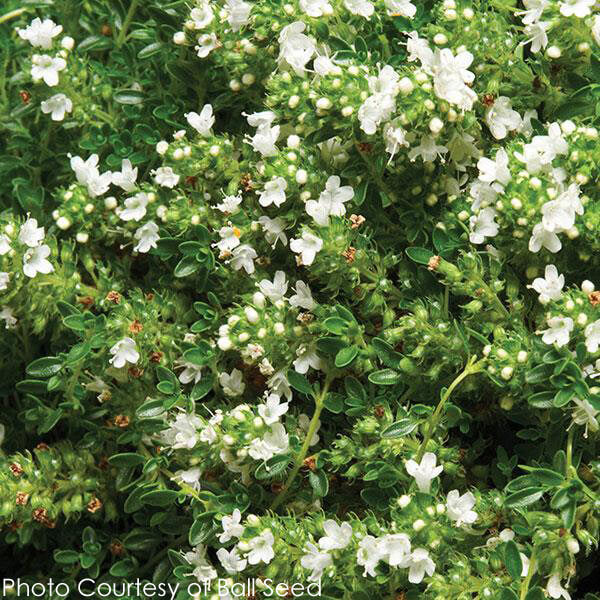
[12, 14]
[525, 584]
[312, 428]
[471, 368]
[127, 22]
[569, 464]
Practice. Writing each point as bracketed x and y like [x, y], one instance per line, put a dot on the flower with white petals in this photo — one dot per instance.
[494, 170]
[533, 12]
[550, 286]
[501, 118]
[558, 332]
[401, 8]
[232, 526]
[315, 560]
[5, 247]
[232, 383]
[231, 561]
[201, 15]
[87, 174]
[396, 548]
[596, 29]
[274, 230]
[303, 297]
[30, 234]
[369, 553]
[307, 358]
[307, 247]
[272, 409]
[191, 477]
[191, 372]
[124, 351]
[182, 431]
[542, 238]
[230, 239]
[459, 508]
[264, 140]
[47, 68]
[451, 76]
[203, 570]
[331, 201]
[295, 47]
[418, 564]
[147, 236]
[362, 8]
[274, 192]
[35, 261]
[4, 280]
[206, 44]
[239, 13]
[536, 35]
[230, 204]
[56, 106]
[274, 290]
[6, 315]
[424, 472]
[418, 49]
[40, 33]
[165, 177]
[592, 336]
[337, 536]
[126, 177]
[483, 226]
[576, 8]
[135, 207]
[316, 8]
[585, 414]
[261, 548]
[202, 122]
[243, 257]
[555, 589]
[428, 150]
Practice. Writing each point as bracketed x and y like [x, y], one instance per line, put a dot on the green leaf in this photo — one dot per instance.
[299, 382]
[335, 325]
[355, 389]
[544, 476]
[385, 377]
[319, 483]
[419, 255]
[50, 420]
[386, 354]
[150, 50]
[508, 594]
[334, 403]
[512, 559]
[126, 459]
[536, 593]
[44, 367]
[273, 467]
[202, 388]
[201, 529]
[160, 497]
[345, 356]
[567, 513]
[524, 497]
[66, 557]
[187, 266]
[399, 429]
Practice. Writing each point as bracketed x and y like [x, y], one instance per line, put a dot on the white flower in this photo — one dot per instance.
[316, 8]
[331, 201]
[4, 279]
[494, 170]
[336, 537]
[557, 216]
[555, 589]
[191, 372]
[274, 192]
[303, 297]
[396, 548]
[395, 138]
[191, 477]
[550, 286]
[182, 432]
[231, 561]
[126, 177]
[418, 564]
[87, 174]
[35, 261]
[202, 122]
[147, 236]
[201, 15]
[450, 77]
[280, 385]
[596, 29]
[585, 414]
[6, 314]
[428, 150]
[375, 110]
[424, 472]
[401, 8]
[57, 106]
[230, 238]
[232, 383]
[276, 440]
[458, 508]
[369, 554]
[501, 118]
[534, 11]
[207, 42]
[273, 230]
[276, 289]
[272, 409]
[264, 140]
[295, 47]
[263, 118]
[4, 244]
[307, 246]
[558, 331]
[230, 204]
[40, 33]
[541, 237]
[165, 177]
[232, 526]
[243, 258]
[418, 49]
[536, 35]
[261, 548]
[577, 8]
[315, 560]
[239, 13]
[30, 234]
[45, 67]
[307, 357]
[592, 336]
[360, 7]
[483, 225]
[135, 207]
[124, 351]
[203, 569]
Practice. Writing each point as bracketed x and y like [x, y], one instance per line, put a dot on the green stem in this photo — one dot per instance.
[569, 464]
[127, 22]
[471, 368]
[312, 428]
[527, 580]
[12, 14]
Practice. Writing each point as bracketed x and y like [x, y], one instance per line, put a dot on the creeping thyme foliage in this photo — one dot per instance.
[302, 293]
